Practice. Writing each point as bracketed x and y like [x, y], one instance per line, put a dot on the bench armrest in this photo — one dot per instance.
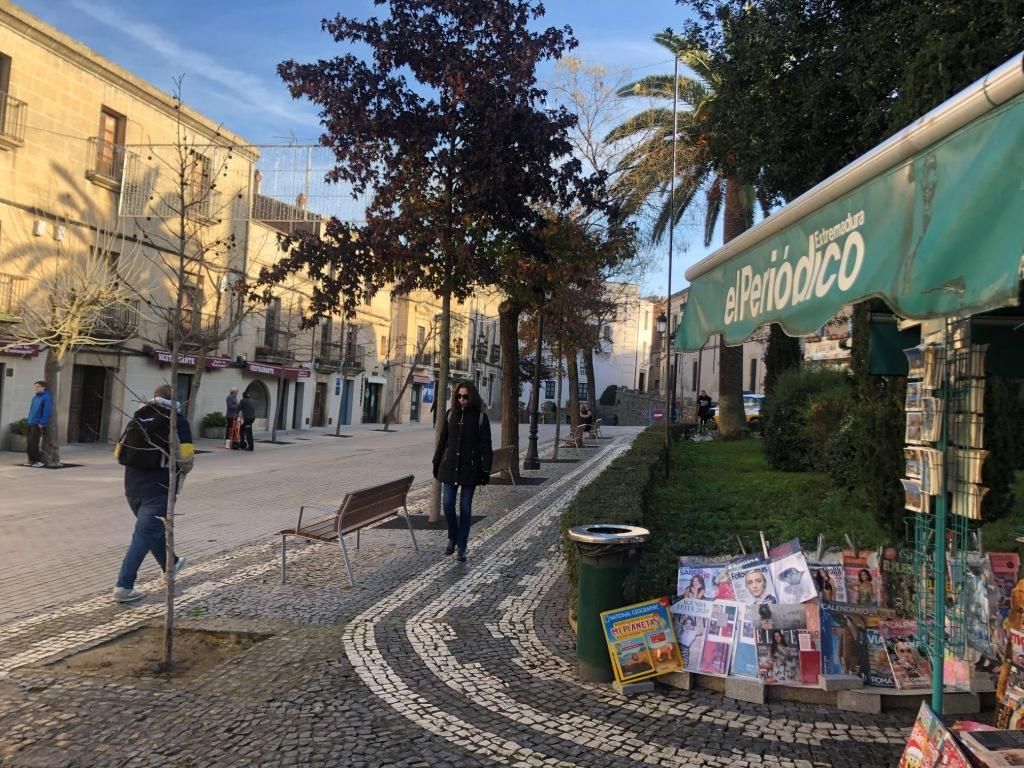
[303, 508]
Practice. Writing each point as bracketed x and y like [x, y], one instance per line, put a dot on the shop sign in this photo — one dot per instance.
[269, 369]
[164, 357]
[12, 349]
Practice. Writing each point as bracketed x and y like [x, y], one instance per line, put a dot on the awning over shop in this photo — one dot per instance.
[269, 369]
[164, 356]
[418, 379]
[930, 221]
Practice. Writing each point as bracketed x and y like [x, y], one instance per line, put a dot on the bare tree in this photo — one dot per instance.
[82, 291]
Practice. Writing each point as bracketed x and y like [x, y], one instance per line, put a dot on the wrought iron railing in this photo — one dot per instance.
[12, 294]
[195, 329]
[118, 322]
[13, 114]
[106, 160]
[273, 342]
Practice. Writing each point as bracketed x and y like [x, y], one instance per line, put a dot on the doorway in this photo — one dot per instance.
[183, 391]
[371, 403]
[319, 398]
[297, 405]
[281, 417]
[346, 403]
[414, 404]
[87, 415]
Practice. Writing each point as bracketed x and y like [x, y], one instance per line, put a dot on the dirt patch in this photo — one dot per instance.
[138, 655]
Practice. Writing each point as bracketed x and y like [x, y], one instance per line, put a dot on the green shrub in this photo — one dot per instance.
[825, 413]
[214, 419]
[839, 460]
[19, 427]
[620, 494]
[787, 429]
[879, 425]
[609, 395]
[1002, 439]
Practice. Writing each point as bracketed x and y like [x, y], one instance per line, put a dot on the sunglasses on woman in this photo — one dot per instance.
[462, 396]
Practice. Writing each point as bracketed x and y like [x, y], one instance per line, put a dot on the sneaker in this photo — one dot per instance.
[450, 548]
[462, 554]
[178, 566]
[39, 465]
[126, 595]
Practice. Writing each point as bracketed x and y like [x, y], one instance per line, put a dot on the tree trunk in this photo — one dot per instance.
[193, 392]
[50, 447]
[398, 398]
[508, 324]
[588, 362]
[572, 369]
[731, 420]
[441, 396]
[277, 408]
[782, 354]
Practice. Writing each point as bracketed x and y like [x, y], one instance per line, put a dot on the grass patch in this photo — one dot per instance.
[721, 490]
[998, 536]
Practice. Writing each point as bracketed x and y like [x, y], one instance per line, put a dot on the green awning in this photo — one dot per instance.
[940, 233]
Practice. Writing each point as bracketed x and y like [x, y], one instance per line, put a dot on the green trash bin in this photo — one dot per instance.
[609, 579]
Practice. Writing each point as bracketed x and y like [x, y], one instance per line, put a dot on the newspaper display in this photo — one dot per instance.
[641, 641]
[931, 744]
[704, 578]
[852, 643]
[791, 574]
[910, 669]
[752, 582]
[690, 620]
[861, 574]
[995, 749]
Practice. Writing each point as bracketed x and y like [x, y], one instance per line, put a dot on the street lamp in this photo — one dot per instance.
[532, 458]
[662, 329]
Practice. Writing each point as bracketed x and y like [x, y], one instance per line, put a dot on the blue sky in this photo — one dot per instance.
[228, 51]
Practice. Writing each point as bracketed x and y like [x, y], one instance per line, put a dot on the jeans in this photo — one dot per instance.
[35, 434]
[458, 528]
[248, 443]
[149, 536]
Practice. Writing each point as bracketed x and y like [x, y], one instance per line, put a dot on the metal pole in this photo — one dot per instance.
[939, 624]
[671, 227]
[532, 458]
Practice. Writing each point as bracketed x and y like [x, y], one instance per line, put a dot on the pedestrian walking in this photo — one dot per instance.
[231, 412]
[143, 450]
[39, 411]
[248, 410]
[462, 460]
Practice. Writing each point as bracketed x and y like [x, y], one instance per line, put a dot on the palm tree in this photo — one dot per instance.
[644, 180]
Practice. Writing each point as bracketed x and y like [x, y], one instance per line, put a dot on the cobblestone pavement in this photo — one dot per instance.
[426, 662]
[230, 499]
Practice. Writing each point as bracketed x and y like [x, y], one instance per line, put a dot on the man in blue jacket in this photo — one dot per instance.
[38, 417]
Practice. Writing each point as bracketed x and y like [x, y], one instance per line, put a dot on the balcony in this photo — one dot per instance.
[12, 296]
[196, 329]
[460, 364]
[495, 354]
[13, 113]
[425, 358]
[119, 322]
[105, 163]
[274, 344]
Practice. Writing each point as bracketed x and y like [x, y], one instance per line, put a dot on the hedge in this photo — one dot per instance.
[620, 494]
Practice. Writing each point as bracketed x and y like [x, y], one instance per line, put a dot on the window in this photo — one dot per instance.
[647, 320]
[200, 188]
[549, 390]
[457, 347]
[110, 144]
[582, 391]
[608, 333]
[384, 345]
[753, 375]
[5, 87]
[421, 336]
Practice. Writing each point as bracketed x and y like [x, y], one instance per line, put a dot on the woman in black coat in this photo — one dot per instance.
[462, 459]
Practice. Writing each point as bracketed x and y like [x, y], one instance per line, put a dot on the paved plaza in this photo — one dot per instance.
[425, 662]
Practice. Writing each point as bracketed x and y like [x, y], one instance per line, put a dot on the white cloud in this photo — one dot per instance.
[246, 89]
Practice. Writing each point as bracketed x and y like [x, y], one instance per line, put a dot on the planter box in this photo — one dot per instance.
[213, 433]
[17, 443]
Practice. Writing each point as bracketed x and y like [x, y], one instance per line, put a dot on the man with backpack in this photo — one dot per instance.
[143, 451]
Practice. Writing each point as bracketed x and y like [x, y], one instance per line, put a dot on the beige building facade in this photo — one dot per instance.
[97, 165]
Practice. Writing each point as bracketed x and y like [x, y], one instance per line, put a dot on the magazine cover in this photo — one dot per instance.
[690, 619]
[752, 583]
[931, 745]
[1010, 714]
[981, 613]
[791, 574]
[861, 574]
[778, 656]
[995, 749]
[829, 578]
[719, 639]
[641, 641]
[852, 645]
[744, 660]
[701, 578]
[910, 668]
[1005, 568]
[898, 580]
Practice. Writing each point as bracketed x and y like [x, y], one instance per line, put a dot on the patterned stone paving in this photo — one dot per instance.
[426, 662]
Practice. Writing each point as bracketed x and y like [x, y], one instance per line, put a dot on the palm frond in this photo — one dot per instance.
[714, 200]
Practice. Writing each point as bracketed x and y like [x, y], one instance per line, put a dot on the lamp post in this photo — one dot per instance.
[532, 458]
[663, 330]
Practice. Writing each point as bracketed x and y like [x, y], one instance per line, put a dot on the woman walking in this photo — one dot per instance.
[462, 459]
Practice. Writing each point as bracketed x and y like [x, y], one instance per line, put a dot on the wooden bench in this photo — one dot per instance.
[502, 460]
[358, 510]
